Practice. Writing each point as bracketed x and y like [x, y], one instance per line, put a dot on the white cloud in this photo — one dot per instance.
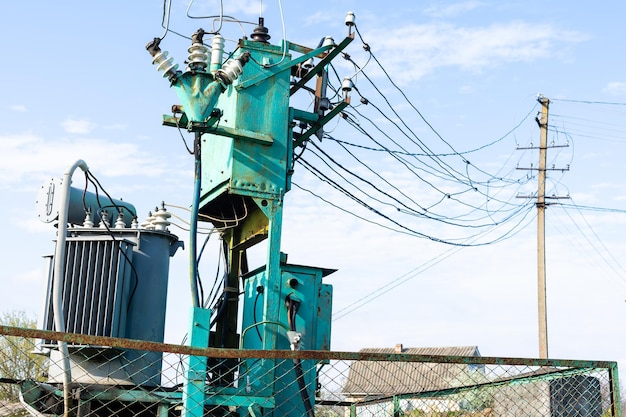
[18, 108]
[615, 88]
[452, 10]
[117, 126]
[78, 127]
[320, 17]
[440, 45]
[235, 6]
[28, 158]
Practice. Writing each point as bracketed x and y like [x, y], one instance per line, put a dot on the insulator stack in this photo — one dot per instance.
[198, 57]
[160, 221]
[147, 224]
[88, 219]
[232, 69]
[104, 223]
[119, 223]
[260, 32]
[164, 63]
[217, 51]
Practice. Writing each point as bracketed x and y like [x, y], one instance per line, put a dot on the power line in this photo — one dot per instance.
[610, 103]
[590, 208]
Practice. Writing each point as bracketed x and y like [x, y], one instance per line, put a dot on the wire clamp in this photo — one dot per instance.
[294, 339]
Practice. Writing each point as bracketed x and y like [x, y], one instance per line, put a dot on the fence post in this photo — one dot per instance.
[397, 412]
[193, 391]
[616, 402]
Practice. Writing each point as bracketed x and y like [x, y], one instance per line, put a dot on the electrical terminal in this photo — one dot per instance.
[147, 224]
[198, 58]
[88, 222]
[119, 222]
[161, 217]
[104, 222]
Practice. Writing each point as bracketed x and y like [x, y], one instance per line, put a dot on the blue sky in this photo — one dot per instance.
[78, 83]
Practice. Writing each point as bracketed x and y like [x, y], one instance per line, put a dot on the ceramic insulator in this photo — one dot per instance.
[119, 223]
[231, 70]
[350, 19]
[164, 63]
[104, 222]
[217, 51]
[160, 221]
[147, 224]
[198, 57]
[88, 219]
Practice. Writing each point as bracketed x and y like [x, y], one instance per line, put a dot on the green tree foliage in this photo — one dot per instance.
[17, 362]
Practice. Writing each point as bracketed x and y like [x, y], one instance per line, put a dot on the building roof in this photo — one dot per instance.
[8, 408]
[374, 378]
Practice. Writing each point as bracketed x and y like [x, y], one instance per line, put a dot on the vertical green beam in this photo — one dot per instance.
[163, 410]
[397, 412]
[353, 410]
[616, 402]
[193, 391]
[273, 209]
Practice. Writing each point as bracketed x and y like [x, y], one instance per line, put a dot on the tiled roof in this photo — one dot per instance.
[387, 377]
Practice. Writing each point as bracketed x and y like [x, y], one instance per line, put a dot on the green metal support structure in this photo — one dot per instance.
[243, 122]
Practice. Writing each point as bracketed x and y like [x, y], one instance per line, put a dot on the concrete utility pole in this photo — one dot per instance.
[541, 229]
[541, 220]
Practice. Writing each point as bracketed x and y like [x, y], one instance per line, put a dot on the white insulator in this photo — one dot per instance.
[347, 84]
[88, 219]
[217, 51]
[350, 19]
[134, 224]
[164, 63]
[147, 224]
[329, 41]
[198, 58]
[231, 70]
[104, 222]
[160, 221]
[308, 64]
[119, 223]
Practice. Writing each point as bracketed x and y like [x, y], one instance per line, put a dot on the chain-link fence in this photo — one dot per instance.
[46, 373]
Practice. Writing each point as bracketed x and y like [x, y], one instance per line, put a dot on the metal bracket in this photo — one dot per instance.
[315, 121]
[183, 121]
[320, 65]
[275, 69]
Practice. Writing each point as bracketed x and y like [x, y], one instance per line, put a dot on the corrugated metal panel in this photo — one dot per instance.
[440, 351]
[96, 286]
[385, 378]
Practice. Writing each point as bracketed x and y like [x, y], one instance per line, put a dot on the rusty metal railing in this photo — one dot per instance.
[115, 376]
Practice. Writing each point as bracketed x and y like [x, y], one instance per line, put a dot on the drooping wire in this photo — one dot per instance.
[610, 103]
[89, 177]
[284, 43]
[585, 235]
[403, 94]
[406, 153]
[413, 168]
[394, 283]
[165, 21]
[421, 212]
[220, 17]
[316, 172]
